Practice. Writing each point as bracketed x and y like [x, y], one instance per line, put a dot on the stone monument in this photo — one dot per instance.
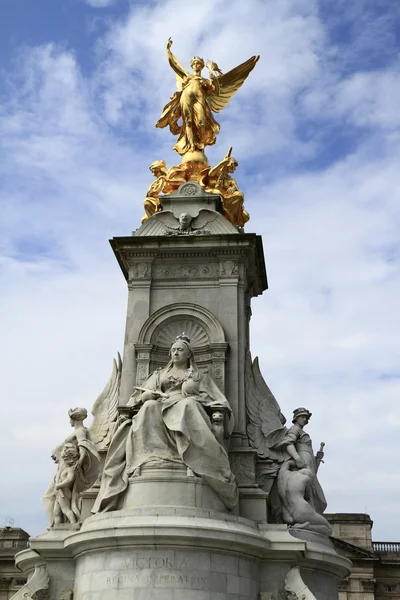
[188, 485]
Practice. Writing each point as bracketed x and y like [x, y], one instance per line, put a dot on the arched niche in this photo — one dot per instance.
[160, 330]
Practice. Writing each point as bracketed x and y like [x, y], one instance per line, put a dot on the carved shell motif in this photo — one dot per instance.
[194, 331]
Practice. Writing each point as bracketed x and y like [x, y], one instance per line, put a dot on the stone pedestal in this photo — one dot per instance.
[177, 553]
[198, 284]
[172, 538]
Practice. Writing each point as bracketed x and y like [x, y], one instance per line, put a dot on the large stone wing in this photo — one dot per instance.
[161, 223]
[105, 409]
[229, 83]
[204, 218]
[263, 411]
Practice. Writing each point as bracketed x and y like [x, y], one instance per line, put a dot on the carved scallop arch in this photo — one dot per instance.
[160, 330]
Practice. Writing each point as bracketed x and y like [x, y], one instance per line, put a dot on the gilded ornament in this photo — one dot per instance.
[189, 115]
[195, 101]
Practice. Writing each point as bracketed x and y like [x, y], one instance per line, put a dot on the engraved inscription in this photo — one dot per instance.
[146, 579]
[153, 562]
[155, 571]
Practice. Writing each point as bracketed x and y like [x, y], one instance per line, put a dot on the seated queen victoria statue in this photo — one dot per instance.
[172, 425]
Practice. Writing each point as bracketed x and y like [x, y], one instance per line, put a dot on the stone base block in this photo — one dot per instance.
[167, 553]
[88, 499]
[253, 504]
[170, 487]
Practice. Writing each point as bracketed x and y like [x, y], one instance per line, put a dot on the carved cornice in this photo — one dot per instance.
[353, 550]
[246, 248]
[186, 271]
[157, 254]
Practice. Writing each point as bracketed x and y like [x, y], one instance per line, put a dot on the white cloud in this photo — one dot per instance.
[100, 3]
[74, 152]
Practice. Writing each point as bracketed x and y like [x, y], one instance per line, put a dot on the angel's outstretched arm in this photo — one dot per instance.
[174, 62]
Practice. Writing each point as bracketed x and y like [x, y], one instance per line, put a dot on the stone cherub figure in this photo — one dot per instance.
[171, 423]
[287, 464]
[78, 467]
[64, 484]
[197, 98]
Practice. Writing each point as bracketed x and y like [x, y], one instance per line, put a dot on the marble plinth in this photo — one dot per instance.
[177, 553]
[156, 486]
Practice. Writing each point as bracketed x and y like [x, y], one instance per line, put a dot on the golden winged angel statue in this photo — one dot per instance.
[197, 98]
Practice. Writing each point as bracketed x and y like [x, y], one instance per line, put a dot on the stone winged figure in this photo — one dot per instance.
[286, 457]
[197, 98]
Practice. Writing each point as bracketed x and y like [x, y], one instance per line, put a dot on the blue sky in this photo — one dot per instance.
[316, 132]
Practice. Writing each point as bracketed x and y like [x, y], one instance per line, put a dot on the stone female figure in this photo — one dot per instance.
[287, 467]
[172, 424]
[302, 500]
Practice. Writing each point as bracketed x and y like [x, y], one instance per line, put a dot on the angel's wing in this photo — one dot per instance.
[263, 411]
[105, 409]
[204, 218]
[56, 454]
[229, 83]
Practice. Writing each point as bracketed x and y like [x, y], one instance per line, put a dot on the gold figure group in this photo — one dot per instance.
[193, 104]
[215, 180]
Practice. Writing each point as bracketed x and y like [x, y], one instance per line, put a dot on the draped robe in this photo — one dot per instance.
[173, 430]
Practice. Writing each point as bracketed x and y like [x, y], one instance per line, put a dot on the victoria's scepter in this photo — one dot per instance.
[160, 394]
